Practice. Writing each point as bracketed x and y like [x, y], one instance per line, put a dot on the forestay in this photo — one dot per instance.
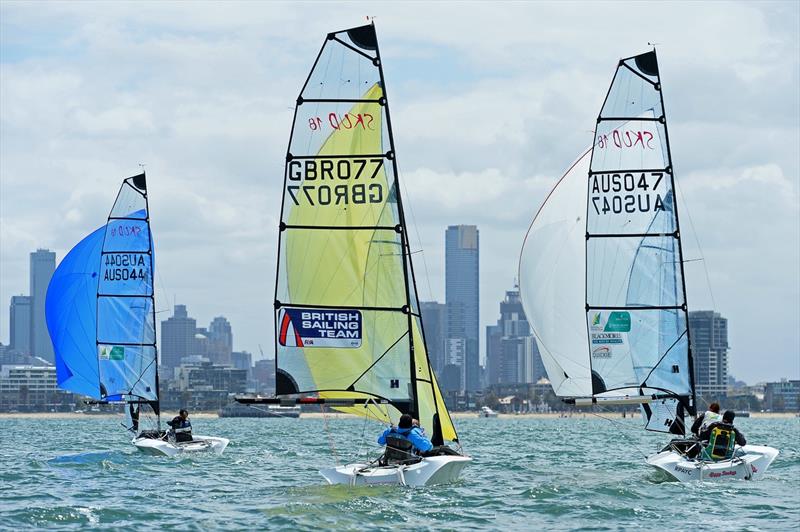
[100, 306]
[616, 227]
[346, 311]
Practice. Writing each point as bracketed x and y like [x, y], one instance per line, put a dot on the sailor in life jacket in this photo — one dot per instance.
[404, 441]
[181, 426]
[704, 420]
[721, 437]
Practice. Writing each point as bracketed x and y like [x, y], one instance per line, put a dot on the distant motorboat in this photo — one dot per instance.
[487, 412]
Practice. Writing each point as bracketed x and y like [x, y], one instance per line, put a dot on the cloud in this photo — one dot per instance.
[491, 103]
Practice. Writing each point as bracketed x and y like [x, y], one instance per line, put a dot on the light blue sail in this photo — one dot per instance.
[100, 306]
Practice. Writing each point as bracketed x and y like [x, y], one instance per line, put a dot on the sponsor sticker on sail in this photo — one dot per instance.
[108, 352]
[302, 327]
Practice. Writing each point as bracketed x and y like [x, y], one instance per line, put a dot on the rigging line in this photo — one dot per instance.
[697, 240]
[410, 207]
[328, 433]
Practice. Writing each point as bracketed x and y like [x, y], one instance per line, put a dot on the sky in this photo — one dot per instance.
[491, 103]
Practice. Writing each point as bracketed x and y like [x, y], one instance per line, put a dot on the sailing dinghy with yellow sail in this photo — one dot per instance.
[602, 281]
[348, 327]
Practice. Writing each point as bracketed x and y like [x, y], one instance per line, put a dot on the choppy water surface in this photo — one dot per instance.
[573, 473]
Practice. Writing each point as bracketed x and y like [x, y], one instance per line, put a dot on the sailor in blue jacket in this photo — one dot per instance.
[407, 431]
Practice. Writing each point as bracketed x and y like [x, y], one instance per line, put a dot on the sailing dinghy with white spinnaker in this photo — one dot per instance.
[602, 280]
[100, 312]
[348, 327]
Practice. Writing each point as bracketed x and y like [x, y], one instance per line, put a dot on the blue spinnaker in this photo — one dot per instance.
[71, 312]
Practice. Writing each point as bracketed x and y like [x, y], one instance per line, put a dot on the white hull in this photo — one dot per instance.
[749, 463]
[431, 470]
[166, 448]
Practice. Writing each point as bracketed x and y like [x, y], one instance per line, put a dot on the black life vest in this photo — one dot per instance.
[182, 429]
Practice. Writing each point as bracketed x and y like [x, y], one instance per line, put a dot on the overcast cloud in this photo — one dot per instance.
[491, 103]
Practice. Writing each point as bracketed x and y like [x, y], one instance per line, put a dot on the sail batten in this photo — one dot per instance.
[633, 333]
[347, 322]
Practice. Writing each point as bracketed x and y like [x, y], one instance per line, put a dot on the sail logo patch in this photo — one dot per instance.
[108, 352]
[300, 327]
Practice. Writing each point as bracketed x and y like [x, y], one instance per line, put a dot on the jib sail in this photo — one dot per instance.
[100, 310]
[346, 311]
[615, 224]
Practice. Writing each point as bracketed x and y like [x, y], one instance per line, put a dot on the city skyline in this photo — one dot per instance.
[214, 150]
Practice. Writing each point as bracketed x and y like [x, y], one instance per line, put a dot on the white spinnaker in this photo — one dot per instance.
[553, 283]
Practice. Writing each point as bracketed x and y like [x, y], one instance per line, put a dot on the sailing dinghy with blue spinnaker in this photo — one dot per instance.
[602, 281]
[348, 322]
[101, 318]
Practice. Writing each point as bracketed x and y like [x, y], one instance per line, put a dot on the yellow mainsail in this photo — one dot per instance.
[347, 318]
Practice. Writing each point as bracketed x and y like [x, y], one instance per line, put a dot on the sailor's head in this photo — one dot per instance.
[184, 413]
[728, 416]
[714, 407]
[406, 422]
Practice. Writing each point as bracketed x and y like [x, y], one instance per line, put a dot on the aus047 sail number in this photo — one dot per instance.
[617, 193]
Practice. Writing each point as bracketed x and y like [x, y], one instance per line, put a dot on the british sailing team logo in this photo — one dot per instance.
[302, 327]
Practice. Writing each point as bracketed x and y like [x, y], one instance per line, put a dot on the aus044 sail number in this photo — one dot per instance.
[617, 193]
[125, 267]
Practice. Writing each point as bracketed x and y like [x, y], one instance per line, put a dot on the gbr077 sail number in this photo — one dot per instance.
[626, 192]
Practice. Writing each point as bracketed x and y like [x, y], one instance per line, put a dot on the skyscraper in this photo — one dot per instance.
[434, 321]
[177, 339]
[43, 264]
[512, 355]
[20, 324]
[461, 298]
[220, 338]
[709, 335]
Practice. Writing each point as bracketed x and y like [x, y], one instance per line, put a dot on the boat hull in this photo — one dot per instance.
[428, 471]
[165, 448]
[749, 463]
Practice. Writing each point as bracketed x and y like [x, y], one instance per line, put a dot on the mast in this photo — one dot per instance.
[685, 309]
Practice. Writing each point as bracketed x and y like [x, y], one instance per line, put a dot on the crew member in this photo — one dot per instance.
[704, 420]
[406, 431]
[181, 426]
[721, 437]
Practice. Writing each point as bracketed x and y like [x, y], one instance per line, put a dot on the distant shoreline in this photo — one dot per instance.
[319, 415]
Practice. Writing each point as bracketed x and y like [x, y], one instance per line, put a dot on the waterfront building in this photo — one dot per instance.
[30, 388]
[177, 338]
[42, 266]
[783, 396]
[20, 313]
[264, 376]
[199, 384]
[462, 300]
[709, 335]
[434, 322]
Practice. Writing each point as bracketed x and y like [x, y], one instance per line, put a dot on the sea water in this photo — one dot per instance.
[576, 473]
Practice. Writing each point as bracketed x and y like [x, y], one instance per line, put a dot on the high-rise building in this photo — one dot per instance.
[177, 339]
[461, 298]
[20, 324]
[434, 322]
[220, 338]
[512, 355]
[242, 360]
[43, 264]
[709, 335]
